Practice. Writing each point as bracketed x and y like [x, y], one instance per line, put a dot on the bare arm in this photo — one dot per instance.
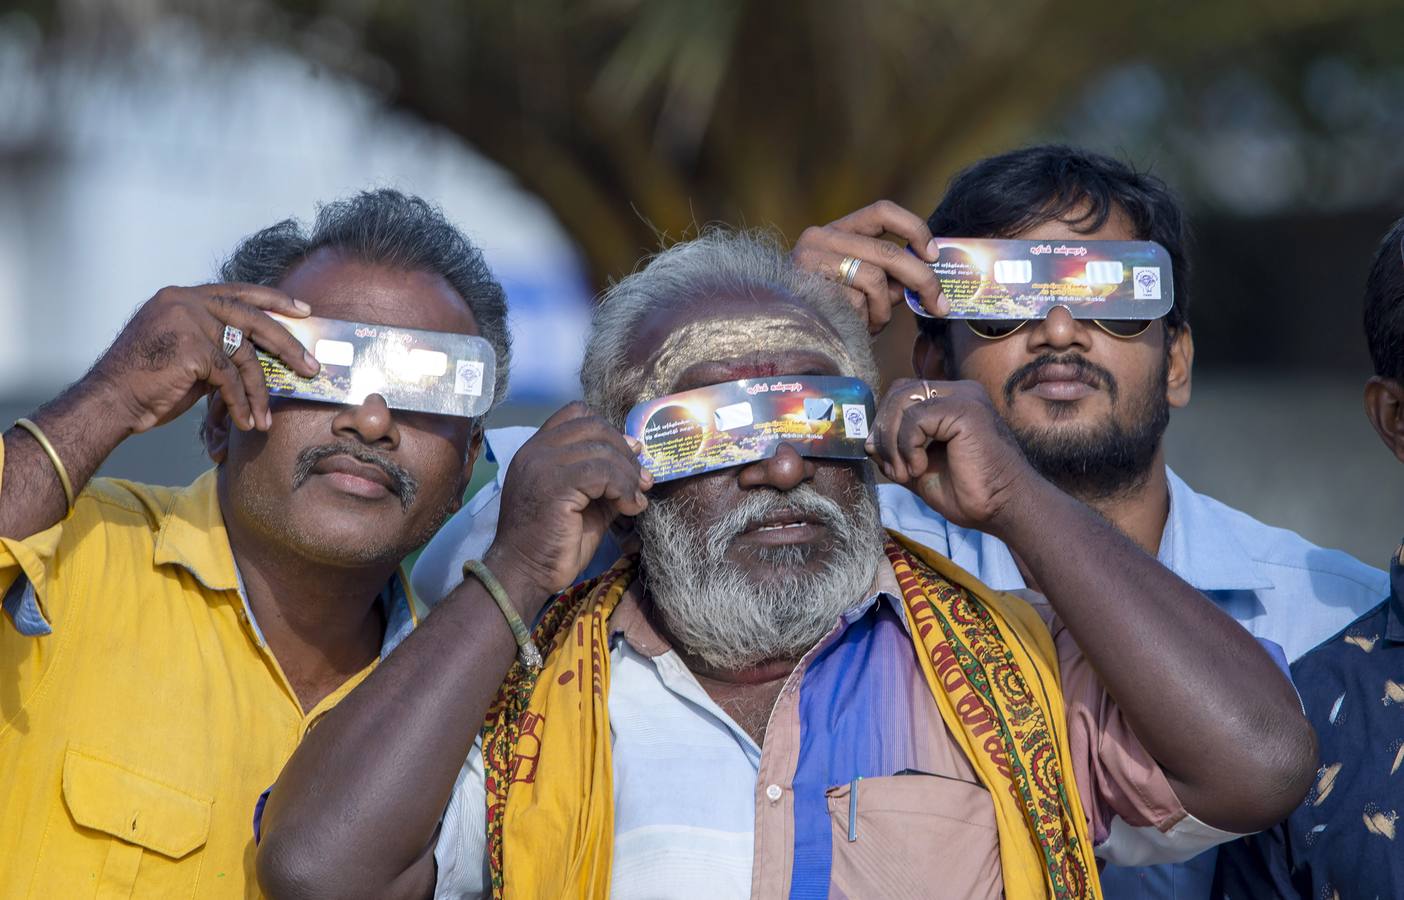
[1207, 702]
[356, 809]
[167, 357]
[83, 430]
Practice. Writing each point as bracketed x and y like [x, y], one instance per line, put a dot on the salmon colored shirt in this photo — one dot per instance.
[143, 713]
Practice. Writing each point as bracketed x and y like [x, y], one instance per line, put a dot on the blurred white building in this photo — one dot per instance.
[119, 178]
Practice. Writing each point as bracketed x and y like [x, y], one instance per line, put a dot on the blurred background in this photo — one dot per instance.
[140, 140]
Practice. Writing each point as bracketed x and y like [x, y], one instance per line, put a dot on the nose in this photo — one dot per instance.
[1058, 332]
[369, 422]
[784, 471]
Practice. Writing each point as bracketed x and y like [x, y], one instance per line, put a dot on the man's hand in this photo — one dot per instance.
[427, 700]
[563, 489]
[885, 268]
[171, 354]
[1194, 685]
[945, 441]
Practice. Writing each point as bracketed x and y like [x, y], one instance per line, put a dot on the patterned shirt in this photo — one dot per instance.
[1340, 843]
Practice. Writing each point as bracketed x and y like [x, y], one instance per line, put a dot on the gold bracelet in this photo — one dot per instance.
[53, 457]
[526, 647]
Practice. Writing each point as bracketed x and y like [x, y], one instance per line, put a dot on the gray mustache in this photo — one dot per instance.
[402, 483]
[801, 501]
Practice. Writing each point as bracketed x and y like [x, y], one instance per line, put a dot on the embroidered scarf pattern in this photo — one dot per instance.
[987, 657]
[1000, 700]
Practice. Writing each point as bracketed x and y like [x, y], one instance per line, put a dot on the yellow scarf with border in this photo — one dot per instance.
[987, 657]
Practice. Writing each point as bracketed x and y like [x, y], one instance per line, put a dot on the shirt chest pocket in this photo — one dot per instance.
[134, 834]
[914, 835]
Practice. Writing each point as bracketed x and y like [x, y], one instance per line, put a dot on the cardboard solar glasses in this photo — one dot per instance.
[989, 278]
[418, 371]
[740, 422]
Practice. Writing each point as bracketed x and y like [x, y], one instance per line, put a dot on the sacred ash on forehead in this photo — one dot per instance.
[729, 338]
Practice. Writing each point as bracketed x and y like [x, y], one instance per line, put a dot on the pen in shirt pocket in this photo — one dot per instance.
[853, 809]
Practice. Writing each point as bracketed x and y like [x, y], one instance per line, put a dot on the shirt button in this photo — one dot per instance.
[773, 792]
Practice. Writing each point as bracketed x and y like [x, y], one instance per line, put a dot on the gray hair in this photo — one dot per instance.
[385, 227]
[718, 261]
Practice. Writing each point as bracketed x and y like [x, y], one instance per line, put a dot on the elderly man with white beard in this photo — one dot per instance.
[775, 697]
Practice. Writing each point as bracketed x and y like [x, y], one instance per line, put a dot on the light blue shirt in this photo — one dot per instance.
[1275, 583]
[1272, 581]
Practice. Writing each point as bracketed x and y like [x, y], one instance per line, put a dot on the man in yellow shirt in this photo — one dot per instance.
[163, 650]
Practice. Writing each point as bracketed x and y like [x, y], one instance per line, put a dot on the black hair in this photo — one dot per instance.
[1005, 195]
[1384, 305]
[385, 227]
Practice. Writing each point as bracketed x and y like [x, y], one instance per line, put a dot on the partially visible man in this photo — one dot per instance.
[166, 648]
[776, 698]
[1089, 407]
[1340, 843]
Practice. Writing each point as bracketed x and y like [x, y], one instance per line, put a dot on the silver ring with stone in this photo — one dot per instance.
[233, 339]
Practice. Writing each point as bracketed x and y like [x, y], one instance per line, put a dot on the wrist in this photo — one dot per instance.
[106, 410]
[524, 587]
[1029, 499]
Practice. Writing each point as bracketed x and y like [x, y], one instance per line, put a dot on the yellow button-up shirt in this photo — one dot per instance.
[143, 713]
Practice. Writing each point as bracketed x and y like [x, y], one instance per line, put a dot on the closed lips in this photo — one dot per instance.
[345, 465]
[1060, 372]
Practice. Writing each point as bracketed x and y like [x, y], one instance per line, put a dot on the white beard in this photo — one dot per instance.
[715, 612]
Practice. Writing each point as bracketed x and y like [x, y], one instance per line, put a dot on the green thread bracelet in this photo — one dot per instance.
[526, 648]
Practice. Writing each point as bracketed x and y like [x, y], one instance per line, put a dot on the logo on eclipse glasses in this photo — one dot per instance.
[1147, 280]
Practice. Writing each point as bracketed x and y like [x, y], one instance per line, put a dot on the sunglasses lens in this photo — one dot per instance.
[1124, 328]
[994, 328]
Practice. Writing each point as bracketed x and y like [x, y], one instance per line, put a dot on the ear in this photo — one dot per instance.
[1384, 407]
[475, 446]
[1179, 372]
[215, 429]
[929, 357]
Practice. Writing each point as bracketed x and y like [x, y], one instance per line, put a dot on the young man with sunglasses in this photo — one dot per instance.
[1088, 402]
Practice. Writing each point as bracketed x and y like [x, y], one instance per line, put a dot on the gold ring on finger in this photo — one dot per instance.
[848, 270]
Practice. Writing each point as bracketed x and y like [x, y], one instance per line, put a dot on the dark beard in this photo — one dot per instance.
[1109, 459]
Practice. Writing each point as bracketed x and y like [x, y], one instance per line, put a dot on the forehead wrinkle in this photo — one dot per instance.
[717, 339]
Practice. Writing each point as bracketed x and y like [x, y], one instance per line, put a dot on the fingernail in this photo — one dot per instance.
[932, 250]
[267, 419]
[252, 424]
[943, 305]
[639, 498]
[301, 307]
[646, 478]
[311, 361]
[634, 443]
[870, 445]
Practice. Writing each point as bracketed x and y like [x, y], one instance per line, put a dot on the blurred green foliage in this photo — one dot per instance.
[638, 119]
